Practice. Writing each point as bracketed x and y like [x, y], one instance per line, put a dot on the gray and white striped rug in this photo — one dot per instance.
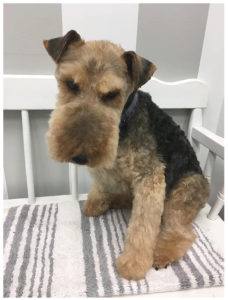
[55, 251]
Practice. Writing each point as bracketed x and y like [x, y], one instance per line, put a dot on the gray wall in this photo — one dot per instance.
[25, 27]
[171, 35]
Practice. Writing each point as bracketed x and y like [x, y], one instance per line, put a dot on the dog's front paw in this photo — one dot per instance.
[133, 266]
[93, 208]
[162, 261]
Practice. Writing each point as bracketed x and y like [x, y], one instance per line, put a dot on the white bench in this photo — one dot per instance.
[37, 92]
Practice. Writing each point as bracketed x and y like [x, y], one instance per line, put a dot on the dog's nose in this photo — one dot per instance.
[80, 159]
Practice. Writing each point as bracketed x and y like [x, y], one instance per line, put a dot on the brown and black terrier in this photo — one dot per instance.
[136, 154]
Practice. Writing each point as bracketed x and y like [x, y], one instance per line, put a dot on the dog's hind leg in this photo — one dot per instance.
[181, 208]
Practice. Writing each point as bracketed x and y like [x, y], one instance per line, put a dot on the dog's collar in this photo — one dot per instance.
[129, 109]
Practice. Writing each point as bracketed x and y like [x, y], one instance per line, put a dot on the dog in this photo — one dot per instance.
[136, 154]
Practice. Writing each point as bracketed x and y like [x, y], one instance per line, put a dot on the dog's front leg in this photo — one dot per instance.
[143, 228]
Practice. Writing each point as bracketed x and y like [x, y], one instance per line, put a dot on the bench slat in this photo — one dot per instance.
[28, 156]
[210, 140]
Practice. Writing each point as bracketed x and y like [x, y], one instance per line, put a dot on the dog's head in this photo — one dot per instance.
[95, 79]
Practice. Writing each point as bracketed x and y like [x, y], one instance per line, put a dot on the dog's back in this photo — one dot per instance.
[173, 147]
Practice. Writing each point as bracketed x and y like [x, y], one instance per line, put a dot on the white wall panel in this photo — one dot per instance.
[114, 22]
[211, 70]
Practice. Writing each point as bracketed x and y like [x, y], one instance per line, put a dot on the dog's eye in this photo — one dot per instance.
[72, 86]
[110, 95]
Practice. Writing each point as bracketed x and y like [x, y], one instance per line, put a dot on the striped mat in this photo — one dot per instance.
[55, 251]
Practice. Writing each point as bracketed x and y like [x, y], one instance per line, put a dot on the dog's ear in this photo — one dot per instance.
[57, 47]
[139, 69]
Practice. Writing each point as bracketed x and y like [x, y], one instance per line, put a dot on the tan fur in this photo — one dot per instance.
[84, 123]
[143, 228]
[145, 193]
[65, 141]
[96, 75]
[181, 208]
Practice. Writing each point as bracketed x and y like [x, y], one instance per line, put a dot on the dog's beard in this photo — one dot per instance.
[106, 154]
[102, 156]
[77, 131]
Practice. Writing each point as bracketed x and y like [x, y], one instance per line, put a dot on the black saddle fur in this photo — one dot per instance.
[173, 146]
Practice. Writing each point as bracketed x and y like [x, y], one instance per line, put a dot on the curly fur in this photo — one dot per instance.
[173, 147]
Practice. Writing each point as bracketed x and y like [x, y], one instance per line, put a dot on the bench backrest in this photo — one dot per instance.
[38, 92]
